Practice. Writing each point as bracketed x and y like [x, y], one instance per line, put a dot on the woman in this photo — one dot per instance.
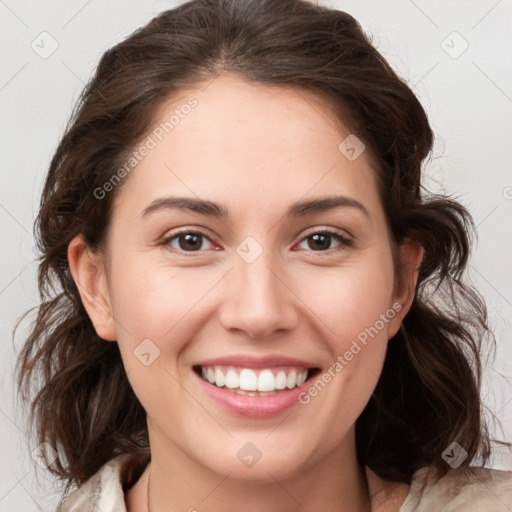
[259, 307]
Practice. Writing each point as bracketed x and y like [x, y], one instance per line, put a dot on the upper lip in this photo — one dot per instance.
[248, 361]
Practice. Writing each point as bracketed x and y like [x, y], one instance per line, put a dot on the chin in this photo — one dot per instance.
[260, 461]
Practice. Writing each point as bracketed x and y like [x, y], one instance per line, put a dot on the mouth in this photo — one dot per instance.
[255, 382]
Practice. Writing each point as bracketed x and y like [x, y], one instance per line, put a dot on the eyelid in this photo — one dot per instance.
[344, 242]
[345, 239]
[326, 229]
[166, 239]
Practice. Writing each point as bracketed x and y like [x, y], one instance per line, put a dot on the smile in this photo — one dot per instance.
[251, 382]
[254, 387]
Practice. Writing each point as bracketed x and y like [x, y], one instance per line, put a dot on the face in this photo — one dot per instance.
[222, 306]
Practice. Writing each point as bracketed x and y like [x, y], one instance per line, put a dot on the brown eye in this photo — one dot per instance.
[187, 241]
[321, 241]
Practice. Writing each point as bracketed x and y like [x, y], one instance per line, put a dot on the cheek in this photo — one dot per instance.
[164, 304]
[153, 307]
[150, 302]
[152, 295]
[349, 302]
[350, 299]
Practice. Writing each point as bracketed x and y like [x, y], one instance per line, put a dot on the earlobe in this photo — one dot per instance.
[88, 272]
[411, 254]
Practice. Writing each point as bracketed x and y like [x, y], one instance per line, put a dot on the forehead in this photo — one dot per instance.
[229, 140]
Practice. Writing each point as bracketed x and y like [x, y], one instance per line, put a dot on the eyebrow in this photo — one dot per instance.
[209, 208]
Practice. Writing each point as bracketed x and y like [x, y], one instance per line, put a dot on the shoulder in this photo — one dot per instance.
[105, 489]
[473, 489]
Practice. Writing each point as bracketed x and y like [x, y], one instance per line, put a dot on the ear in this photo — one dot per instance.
[88, 272]
[411, 255]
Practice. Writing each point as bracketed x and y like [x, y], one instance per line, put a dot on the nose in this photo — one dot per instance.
[257, 299]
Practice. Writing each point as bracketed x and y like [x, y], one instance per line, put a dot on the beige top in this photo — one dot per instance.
[471, 490]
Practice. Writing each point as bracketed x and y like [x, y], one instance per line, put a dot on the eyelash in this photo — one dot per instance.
[344, 242]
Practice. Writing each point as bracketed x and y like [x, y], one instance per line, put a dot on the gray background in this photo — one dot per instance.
[468, 96]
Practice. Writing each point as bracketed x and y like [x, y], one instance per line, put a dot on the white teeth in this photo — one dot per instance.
[219, 377]
[248, 380]
[232, 380]
[266, 381]
[280, 380]
[291, 380]
[250, 383]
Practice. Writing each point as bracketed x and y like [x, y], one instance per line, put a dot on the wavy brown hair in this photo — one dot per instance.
[429, 392]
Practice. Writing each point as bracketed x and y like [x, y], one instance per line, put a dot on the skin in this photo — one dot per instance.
[296, 299]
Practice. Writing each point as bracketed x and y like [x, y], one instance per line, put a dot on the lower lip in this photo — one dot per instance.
[253, 406]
